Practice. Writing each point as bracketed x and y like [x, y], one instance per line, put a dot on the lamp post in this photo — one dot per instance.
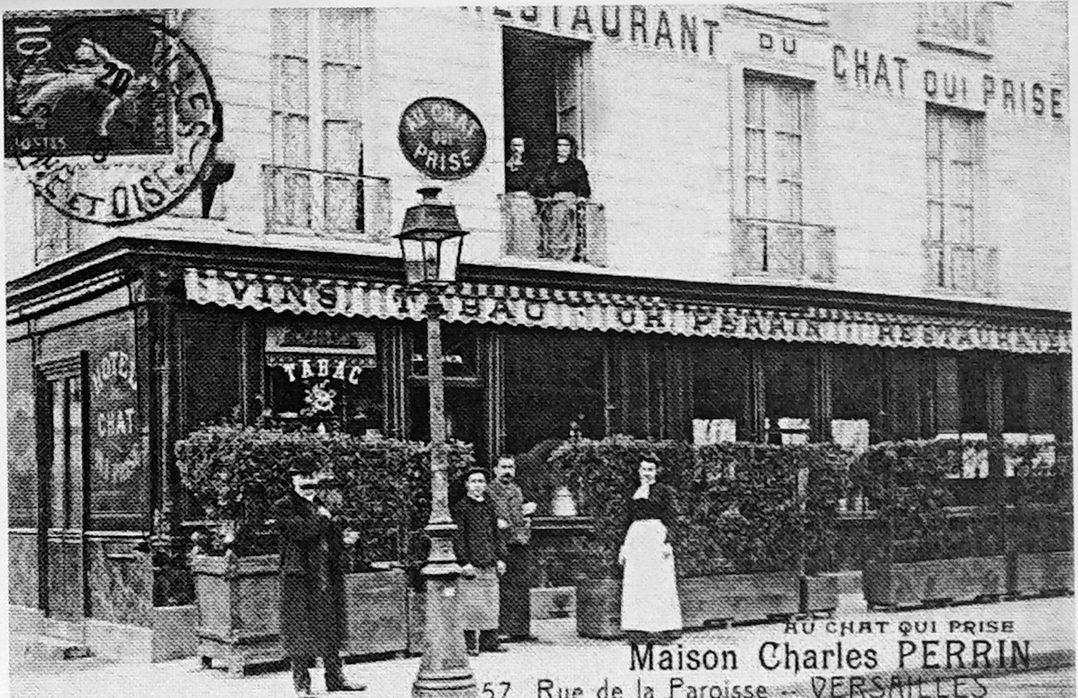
[431, 240]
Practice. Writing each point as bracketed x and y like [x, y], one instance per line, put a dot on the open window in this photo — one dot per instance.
[543, 80]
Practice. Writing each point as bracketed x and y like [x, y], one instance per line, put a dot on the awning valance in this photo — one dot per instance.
[536, 307]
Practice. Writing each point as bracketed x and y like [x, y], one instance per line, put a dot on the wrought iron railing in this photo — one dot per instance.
[961, 267]
[783, 249]
[327, 203]
[553, 228]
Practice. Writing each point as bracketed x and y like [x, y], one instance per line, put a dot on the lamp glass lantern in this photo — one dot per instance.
[431, 241]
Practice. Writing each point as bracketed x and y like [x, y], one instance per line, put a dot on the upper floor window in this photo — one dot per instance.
[957, 25]
[316, 180]
[957, 258]
[772, 238]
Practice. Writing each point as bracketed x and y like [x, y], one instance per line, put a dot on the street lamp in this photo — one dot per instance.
[430, 241]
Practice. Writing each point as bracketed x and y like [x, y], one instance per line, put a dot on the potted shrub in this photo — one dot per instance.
[235, 473]
[930, 556]
[1041, 521]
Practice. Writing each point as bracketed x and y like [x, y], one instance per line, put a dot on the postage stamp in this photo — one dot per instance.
[514, 351]
[112, 117]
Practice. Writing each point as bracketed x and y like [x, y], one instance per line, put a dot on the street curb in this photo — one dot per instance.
[1042, 661]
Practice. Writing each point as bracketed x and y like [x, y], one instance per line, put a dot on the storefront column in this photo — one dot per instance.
[1063, 406]
[822, 407]
[947, 407]
[675, 402]
[152, 311]
[395, 365]
[756, 404]
[493, 367]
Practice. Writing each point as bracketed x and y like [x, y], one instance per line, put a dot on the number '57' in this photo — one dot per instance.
[490, 692]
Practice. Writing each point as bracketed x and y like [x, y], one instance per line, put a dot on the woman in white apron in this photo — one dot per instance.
[649, 601]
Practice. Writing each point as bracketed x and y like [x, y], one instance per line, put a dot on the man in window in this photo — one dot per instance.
[522, 225]
[562, 186]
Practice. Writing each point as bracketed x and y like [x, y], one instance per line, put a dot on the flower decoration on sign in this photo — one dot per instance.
[319, 398]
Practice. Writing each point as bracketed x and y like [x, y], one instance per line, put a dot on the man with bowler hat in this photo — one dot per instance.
[312, 580]
[514, 522]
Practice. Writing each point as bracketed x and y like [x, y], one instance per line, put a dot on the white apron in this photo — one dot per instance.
[479, 599]
[649, 600]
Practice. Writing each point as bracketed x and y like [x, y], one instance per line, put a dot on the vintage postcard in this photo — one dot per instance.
[539, 351]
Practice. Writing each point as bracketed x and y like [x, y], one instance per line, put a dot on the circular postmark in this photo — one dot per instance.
[113, 118]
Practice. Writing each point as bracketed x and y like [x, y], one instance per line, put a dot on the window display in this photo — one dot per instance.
[324, 377]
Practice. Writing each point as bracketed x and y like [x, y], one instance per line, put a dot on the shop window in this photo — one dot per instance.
[856, 394]
[956, 256]
[324, 377]
[719, 392]
[554, 385]
[788, 394]
[460, 352]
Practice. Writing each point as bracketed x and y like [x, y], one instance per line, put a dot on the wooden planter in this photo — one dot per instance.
[934, 581]
[819, 594]
[735, 598]
[238, 602]
[376, 604]
[1043, 573]
[598, 608]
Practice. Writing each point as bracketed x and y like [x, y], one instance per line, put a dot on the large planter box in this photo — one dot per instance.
[1043, 573]
[238, 601]
[934, 581]
[819, 594]
[598, 608]
[736, 598]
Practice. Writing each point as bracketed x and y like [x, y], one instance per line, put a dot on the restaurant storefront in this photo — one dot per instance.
[118, 351]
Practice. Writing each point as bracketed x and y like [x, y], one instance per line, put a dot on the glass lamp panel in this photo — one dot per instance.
[449, 259]
[414, 261]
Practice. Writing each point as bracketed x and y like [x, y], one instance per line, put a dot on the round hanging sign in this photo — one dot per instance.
[442, 138]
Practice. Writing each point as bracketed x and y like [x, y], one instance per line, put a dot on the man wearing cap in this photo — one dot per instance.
[481, 552]
[312, 581]
[514, 522]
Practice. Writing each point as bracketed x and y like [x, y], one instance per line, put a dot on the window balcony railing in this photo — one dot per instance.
[335, 204]
[553, 228]
[961, 267]
[786, 250]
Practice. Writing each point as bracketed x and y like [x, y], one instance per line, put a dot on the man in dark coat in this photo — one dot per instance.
[312, 583]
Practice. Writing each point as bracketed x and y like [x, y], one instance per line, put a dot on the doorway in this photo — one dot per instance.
[543, 84]
[63, 419]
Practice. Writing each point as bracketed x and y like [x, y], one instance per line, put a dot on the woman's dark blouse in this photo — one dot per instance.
[659, 504]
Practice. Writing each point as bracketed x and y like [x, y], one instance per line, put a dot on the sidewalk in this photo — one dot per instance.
[561, 660]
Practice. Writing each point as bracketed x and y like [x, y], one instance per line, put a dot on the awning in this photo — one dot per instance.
[537, 307]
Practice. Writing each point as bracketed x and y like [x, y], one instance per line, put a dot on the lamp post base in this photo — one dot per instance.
[444, 670]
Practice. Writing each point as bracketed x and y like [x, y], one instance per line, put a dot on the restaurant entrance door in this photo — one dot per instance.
[63, 420]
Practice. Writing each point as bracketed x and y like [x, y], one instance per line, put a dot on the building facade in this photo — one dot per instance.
[841, 222]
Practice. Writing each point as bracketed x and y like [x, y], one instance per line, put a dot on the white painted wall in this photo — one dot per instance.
[665, 140]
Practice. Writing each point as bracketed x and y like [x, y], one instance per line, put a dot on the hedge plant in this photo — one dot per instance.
[1042, 518]
[235, 473]
[910, 485]
[739, 507]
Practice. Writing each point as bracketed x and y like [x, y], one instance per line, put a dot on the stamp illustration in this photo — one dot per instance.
[113, 119]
